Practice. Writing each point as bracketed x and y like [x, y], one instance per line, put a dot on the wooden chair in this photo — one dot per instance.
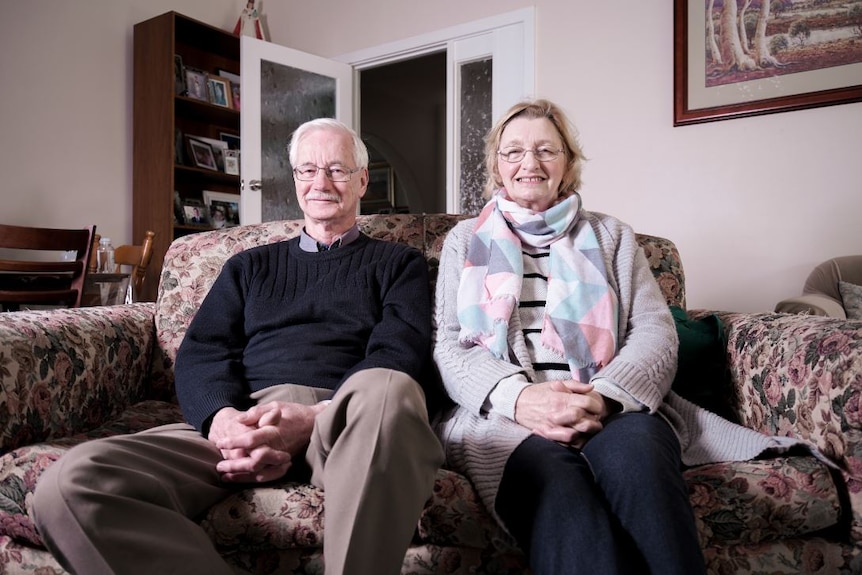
[41, 280]
[137, 257]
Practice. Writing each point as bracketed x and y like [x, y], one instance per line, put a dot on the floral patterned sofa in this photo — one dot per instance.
[70, 375]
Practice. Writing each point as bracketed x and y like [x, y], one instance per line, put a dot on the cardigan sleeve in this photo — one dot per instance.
[646, 360]
[469, 372]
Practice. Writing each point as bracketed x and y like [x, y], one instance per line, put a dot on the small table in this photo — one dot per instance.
[106, 289]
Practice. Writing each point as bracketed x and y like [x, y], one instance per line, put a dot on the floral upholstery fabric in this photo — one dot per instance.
[851, 297]
[67, 376]
[66, 371]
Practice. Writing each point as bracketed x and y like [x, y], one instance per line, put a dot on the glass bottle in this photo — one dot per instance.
[105, 257]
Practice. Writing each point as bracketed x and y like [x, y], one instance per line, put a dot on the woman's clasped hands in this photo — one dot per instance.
[565, 411]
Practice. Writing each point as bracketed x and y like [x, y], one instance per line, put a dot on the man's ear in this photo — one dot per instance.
[363, 182]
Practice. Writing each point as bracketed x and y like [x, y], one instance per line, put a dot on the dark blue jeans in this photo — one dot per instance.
[619, 506]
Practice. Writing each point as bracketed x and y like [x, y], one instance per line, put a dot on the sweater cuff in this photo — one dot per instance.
[505, 394]
[609, 389]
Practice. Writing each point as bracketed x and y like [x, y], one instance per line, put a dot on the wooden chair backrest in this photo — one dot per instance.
[39, 280]
[138, 257]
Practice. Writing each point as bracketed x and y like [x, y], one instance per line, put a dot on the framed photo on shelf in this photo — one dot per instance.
[202, 154]
[234, 94]
[233, 80]
[179, 76]
[219, 148]
[196, 84]
[195, 213]
[179, 152]
[233, 141]
[231, 162]
[223, 208]
[179, 216]
[219, 92]
[230, 76]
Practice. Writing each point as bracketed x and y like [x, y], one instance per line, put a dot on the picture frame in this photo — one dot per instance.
[179, 147]
[234, 80]
[179, 76]
[230, 76]
[231, 162]
[195, 213]
[218, 90]
[234, 94]
[233, 141]
[223, 208]
[202, 154]
[196, 84]
[801, 75]
[219, 147]
[381, 185]
[179, 216]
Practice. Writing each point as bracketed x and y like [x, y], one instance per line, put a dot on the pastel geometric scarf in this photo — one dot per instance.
[581, 311]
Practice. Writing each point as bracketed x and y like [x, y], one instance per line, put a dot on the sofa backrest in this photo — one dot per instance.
[193, 262]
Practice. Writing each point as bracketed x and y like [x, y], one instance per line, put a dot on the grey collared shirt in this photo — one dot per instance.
[309, 244]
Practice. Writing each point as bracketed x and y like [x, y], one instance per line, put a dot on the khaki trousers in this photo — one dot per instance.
[127, 505]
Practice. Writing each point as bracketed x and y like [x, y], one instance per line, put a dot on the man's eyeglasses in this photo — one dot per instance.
[307, 172]
[513, 155]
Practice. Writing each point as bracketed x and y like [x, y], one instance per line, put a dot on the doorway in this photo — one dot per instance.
[496, 52]
[403, 123]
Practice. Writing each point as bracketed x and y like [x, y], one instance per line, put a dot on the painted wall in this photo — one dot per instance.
[66, 108]
[752, 204]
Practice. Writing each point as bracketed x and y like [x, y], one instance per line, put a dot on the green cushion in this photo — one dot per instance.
[702, 375]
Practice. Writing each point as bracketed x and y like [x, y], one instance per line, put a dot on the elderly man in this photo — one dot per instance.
[303, 360]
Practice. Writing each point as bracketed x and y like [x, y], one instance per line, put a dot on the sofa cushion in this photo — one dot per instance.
[453, 516]
[851, 297]
[21, 468]
[743, 502]
[751, 502]
[290, 515]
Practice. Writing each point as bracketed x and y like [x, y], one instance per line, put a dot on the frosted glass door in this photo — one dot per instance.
[281, 89]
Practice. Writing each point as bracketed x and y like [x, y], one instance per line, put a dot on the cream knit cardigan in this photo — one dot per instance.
[478, 443]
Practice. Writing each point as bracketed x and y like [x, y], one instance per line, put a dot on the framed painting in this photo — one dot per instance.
[739, 58]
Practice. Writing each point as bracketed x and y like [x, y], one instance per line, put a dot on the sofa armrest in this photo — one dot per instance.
[812, 304]
[796, 375]
[66, 371]
[801, 376]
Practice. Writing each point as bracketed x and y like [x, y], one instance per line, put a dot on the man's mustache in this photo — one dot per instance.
[323, 196]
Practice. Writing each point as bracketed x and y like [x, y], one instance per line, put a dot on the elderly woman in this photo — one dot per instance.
[558, 350]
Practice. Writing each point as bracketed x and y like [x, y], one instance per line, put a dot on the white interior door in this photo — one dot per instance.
[281, 89]
[496, 54]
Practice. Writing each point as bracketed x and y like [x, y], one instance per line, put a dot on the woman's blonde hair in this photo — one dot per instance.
[534, 109]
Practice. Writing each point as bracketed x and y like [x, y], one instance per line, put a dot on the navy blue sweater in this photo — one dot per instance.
[277, 314]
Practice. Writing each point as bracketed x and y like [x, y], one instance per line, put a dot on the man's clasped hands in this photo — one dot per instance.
[258, 444]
